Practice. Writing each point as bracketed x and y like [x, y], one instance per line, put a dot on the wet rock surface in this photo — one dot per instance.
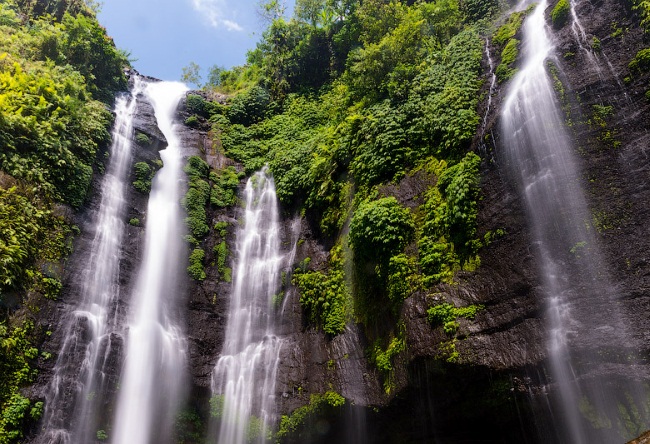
[485, 396]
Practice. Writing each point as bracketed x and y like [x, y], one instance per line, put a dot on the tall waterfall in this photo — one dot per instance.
[154, 368]
[72, 415]
[586, 339]
[243, 382]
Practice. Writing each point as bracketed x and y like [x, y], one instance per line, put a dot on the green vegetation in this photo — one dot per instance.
[143, 175]
[446, 316]
[596, 44]
[142, 139]
[643, 9]
[379, 229]
[324, 297]
[296, 425]
[197, 196]
[560, 13]
[344, 102]
[509, 29]
[224, 187]
[16, 411]
[195, 269]
[504, 38]
[505, 71]
[640, 62]
[385, 358]
[56, 62]
[599, 119]
[134, 221]
[447, 238]
[207, 187]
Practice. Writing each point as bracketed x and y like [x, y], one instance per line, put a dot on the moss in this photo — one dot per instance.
[134, 221]
[596, 44]
[142, 139]
[560, 13]
[143, 175]
[192, 121]
[508, 30]
[324, 297]
[195, 269]
[641, 61]
[445, 315]
[296, 425]
[509, 54]
[384, 358]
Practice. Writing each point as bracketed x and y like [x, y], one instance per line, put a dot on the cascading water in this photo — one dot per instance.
[153, 377]
[592, 380]
[243, 382]
[71, 416]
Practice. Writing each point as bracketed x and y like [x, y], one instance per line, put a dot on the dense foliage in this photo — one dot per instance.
[343, 99]
[207, 188]
[56, 62]
[300, 423]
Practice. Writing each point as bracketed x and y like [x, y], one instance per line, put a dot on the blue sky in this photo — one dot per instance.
[166, 35]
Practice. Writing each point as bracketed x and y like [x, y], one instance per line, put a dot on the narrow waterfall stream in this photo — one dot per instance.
[153, 377]
[71, 415]
[586, 335]
[243, 382]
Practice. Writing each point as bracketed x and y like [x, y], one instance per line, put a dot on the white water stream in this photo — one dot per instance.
[244, 377]
[153, 377]
[582, 314]
[92, 325]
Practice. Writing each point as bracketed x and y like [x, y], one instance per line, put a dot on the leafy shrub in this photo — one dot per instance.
[382, 152]
[31, 235]
[249, 107]
[450, 212]
[380, 229]
[560, 13]
[402, 278]
[475, 10]
[324, 297]
[16, 356]
[294, 425]
[459, 184]
[221, 250]
[596, 44]
[142, 139]
[446, 315]
[505, 71]
[641, 61]
[196, 104]
[196, 198]
[196, 270]
[143, 175]
[509, 29]
[192, 121]
[384, 359]
[224, 187]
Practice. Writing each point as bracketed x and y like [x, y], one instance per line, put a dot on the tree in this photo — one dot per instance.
[191, 74]
[309, 11]
[214, 76]
[270, 10]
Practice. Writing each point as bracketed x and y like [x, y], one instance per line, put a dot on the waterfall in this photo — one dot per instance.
[154, 369]
[588, 348]
[243, 382]
[71, 414]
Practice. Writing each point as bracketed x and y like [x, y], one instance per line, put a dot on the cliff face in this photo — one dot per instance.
[494, 390]
[490, 391]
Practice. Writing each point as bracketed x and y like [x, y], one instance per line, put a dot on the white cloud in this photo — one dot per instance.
[214, 12]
